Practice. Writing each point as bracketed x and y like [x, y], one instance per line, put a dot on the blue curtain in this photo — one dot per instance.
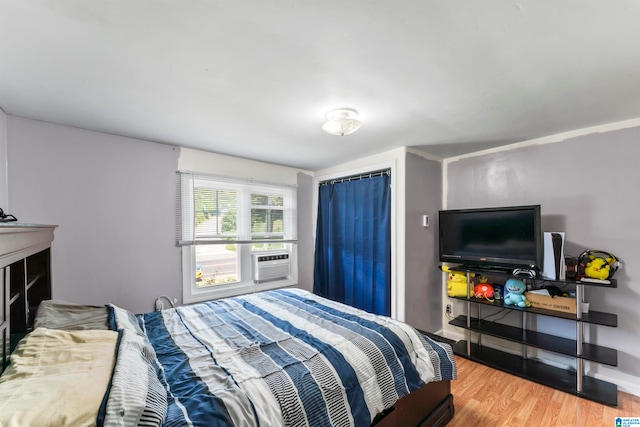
[353, 243]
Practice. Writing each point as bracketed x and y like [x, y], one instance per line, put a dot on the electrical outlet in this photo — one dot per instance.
[449, 310]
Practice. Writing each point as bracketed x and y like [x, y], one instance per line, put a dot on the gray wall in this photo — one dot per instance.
[588, 187]
[423, 279]
[113, 199]
[305, 237]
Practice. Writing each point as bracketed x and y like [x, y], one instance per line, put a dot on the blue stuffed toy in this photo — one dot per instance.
[514, 290]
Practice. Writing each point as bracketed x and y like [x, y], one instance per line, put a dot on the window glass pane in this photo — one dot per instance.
[216, 264]
[259, 220]
[275, 221]
[266, 221]
[215, 212]
[259, 199]
[266, 200]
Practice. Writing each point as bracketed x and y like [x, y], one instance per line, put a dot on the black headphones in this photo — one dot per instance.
[585, 257]
[6, 217]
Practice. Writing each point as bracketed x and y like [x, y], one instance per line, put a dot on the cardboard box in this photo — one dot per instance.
[564, 304]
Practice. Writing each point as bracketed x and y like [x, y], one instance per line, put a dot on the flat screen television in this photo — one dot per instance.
[494, 238]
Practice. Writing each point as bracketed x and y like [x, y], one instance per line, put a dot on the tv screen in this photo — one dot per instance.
[506, 237]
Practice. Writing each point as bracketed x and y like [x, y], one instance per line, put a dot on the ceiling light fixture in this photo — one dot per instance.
[341, 122]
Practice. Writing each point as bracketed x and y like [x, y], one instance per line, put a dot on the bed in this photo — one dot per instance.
[281, 357]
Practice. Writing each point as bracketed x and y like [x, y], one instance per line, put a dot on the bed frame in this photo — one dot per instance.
[430, 406]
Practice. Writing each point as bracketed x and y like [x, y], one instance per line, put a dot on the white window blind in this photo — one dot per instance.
[219, 210]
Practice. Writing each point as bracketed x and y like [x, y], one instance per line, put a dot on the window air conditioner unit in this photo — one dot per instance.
[271, 266]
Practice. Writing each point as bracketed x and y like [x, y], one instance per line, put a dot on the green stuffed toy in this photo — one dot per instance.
[514, 293]
[457, 283]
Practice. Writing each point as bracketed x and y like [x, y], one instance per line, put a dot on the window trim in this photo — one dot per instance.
[193, 294]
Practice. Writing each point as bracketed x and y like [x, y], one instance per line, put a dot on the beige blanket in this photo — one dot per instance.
[57, 378]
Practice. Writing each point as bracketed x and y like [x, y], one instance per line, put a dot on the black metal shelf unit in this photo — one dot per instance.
[569, 380]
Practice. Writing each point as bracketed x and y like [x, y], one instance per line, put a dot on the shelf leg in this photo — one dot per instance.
[579, 300]
[579, 370]
[480, 334]
[579, 360]
[468, 314]
[525, 354]
[579, 337]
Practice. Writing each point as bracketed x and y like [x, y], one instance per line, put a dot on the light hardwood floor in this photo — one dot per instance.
[487, 397]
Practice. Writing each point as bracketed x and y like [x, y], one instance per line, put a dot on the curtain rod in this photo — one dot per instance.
[357, 177]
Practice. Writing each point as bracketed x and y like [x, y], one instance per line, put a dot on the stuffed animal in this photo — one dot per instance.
[514, 290]
[457, 283]
[484, 290]
[598, 268]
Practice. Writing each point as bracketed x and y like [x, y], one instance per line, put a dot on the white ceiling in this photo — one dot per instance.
[254, 78]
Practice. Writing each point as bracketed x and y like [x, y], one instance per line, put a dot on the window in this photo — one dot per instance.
[222, 223]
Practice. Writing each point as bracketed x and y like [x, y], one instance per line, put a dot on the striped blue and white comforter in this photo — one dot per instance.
[287, 358]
